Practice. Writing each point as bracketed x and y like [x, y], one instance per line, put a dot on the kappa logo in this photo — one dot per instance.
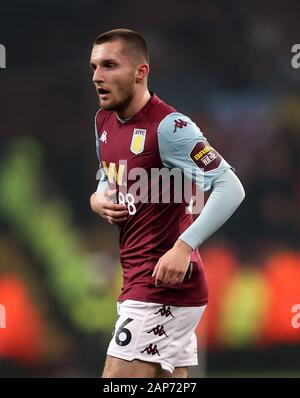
[158, 330]
[165, 311]
[103, 137]
[151, 350]
[179, 124]
[138, 141]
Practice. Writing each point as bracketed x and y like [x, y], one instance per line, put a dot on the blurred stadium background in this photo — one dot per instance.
[227, 64]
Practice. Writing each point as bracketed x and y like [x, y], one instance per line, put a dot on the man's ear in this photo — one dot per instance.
[142, 72]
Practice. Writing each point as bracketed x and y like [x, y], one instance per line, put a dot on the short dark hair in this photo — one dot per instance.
[135, 42]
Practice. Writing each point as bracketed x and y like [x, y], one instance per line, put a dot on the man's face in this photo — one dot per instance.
[113, 75]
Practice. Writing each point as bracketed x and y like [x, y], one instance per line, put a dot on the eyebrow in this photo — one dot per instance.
[105, 61]
[109, 60]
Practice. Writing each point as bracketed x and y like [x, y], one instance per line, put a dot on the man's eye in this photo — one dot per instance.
[110, 65]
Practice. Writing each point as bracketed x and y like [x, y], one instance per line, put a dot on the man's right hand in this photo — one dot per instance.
[112, 212]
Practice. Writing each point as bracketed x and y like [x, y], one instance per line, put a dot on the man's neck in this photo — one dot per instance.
[135, 106]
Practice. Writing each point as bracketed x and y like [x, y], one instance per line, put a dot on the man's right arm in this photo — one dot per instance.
[100, 201]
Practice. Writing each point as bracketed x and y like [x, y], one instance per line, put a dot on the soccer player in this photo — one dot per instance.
[164, 290]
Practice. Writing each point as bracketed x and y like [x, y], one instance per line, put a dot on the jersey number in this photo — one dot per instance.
[127, 200]
[124, 330]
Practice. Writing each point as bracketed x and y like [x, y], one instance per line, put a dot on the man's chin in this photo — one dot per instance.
[106, 105]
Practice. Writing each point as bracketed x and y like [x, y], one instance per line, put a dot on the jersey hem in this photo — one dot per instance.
[172, 303]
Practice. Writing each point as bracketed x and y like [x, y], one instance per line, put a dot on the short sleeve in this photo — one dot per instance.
[182, 145]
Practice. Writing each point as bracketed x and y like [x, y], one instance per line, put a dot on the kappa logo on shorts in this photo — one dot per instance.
[151, 350]
[158, 330]
[165, 311]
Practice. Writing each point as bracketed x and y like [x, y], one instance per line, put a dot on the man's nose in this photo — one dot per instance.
[98, 75]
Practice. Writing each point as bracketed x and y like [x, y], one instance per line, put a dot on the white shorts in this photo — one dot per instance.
[156, 333]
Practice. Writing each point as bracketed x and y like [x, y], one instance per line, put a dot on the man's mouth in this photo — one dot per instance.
[102, 91]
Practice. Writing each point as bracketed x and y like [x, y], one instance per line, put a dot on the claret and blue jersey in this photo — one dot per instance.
[156, 137]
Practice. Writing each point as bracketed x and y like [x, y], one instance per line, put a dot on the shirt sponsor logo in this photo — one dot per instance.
[205, 156]
[138, 141]
[113, 172]
[202, 152]
[206, 160]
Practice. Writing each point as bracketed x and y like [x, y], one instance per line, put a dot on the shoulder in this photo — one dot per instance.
[157, 109]
[101, 117]
[178, 127]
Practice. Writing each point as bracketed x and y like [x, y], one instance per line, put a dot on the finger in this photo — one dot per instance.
[159, 277]
[166, 277]
[181, 278]
[117, 219]
[155, 269]
[109, 219]
[114, 206]
[116, 214]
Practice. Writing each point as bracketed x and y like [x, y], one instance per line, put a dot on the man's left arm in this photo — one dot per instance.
[182, 145]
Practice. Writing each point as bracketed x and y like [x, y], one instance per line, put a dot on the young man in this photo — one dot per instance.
[164, 293]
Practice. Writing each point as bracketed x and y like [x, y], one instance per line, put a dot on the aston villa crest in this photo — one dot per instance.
[138, 141]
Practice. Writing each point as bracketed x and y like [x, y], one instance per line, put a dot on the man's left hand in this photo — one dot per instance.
[172, 266]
